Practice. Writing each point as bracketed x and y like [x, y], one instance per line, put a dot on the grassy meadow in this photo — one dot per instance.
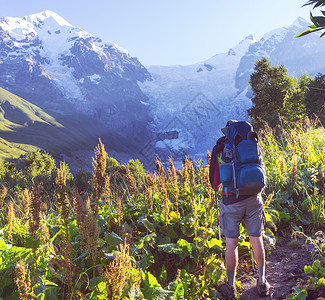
[124, 233]
[25, 127]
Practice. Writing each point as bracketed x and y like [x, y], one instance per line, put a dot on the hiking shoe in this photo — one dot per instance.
[263, 289]
[227, 291]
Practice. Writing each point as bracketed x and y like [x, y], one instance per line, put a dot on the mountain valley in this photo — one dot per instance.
[80, 88]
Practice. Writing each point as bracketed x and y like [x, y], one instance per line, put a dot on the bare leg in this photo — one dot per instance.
[231, 259]
[231, 253]
[258, 247]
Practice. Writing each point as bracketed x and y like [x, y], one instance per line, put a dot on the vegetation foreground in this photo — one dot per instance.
[124, 233]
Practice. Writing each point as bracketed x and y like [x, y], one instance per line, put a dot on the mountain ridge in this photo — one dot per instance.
[25, 127]
[221, 82]
[64, 69]
[165, 109]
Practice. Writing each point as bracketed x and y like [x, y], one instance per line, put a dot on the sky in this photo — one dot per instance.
[169, 32]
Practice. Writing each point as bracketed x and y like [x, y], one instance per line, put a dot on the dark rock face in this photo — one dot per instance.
[82, 75]
[109, 81]
[22, 72]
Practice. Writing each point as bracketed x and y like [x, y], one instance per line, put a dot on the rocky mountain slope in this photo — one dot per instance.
[25, 127]
[197, 100]
[97, 87]
[64, 69]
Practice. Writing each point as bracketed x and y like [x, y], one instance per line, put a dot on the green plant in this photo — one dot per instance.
[167, 220]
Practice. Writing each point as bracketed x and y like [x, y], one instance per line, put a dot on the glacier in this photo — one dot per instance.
[197, 100]
[157, 110]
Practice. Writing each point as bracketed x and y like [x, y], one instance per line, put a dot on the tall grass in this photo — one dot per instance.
[295, 164]
[141, 235]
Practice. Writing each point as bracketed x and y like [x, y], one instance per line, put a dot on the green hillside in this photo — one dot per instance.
[25, 127]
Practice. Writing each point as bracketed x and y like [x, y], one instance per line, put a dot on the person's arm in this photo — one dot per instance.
[214, 174]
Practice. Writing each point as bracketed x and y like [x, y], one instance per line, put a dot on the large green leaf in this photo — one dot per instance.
[146, 239]
[284, 215]
[3, 245]
[170, 248]
[152, 289]
[268, 217]
[187, 248]
[213, 243]
[47, 290]
[146, 261]
[163, 274]
[99, 289]
[147, 224]
[113, 239]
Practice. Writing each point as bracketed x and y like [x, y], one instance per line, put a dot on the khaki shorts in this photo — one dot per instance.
[249, 210]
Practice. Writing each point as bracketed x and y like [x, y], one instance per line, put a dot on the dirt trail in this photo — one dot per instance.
[284, 268]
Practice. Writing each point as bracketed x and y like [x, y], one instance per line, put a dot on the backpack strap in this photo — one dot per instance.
[252, 135]
[238, 139]
[214, 175]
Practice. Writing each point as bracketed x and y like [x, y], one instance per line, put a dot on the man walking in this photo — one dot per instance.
[234, 209]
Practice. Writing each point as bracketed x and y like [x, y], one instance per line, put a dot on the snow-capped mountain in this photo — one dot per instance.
[62, 68]
[194, 99]
[197, 100]
[65, 70]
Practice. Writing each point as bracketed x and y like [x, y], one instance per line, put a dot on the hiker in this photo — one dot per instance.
[240, 203]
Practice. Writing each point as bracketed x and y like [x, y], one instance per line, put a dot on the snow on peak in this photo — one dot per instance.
[54, 37]
[300, 22]
[47, 17]
[250, 38]
[243, 46]
[41, 24]
[279, 33]
[275, 32]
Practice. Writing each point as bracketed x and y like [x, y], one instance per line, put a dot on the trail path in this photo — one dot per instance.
[284, 269]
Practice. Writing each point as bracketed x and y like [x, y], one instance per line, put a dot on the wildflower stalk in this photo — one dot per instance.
[61, 194]
[79, 212]
[151, 182]
[185, 174]
[64, 208]
[119, 272]
[131, 182]
[35, 208]
[87, 228]
[164, 199]
[23, 280]
[87, 225]
[159, 167]
[27, 203]
[191, 171]
[208, 157]
[163, 193]
[34, 225]
[174, 184]
[11, 220]
[119, 215]
[100, 180]
[194, 212]
[205, 179]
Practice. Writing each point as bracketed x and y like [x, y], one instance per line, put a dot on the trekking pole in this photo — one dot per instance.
[218, 215]
[252, 257]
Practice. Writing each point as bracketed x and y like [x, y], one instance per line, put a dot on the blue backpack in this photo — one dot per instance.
[242, 169]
